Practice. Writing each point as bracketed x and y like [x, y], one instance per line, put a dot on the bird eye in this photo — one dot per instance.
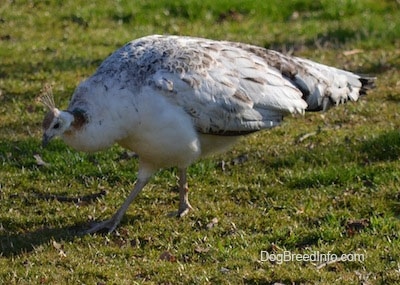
[56, 126]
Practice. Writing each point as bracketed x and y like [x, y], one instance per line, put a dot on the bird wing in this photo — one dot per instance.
[228, 88]
[225, 89]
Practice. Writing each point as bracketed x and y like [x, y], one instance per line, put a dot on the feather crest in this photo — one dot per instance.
[46, 97]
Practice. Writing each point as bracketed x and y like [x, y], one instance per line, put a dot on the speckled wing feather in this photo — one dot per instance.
[225, 89]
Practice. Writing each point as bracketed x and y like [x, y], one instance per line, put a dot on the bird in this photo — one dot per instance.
[175, 99]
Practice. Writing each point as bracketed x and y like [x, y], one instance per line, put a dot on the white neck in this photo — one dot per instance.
[67, 117]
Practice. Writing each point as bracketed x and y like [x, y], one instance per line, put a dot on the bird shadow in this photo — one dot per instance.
[14, 244]
[20, 243]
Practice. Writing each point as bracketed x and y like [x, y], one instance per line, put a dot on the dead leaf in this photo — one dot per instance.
[199, 249]
[303, 137]
[355, 226]
[57, 245]
[60, 248]
[39, 160]
[353, 51]
[167, 256]
[212, 223]
[224, 270]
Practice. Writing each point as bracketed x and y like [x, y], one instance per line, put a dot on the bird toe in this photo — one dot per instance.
[184, 210]
[103, 227]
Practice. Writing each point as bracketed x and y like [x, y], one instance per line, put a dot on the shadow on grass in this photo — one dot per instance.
[19, 154]
[343, 163]
[385, 147]
[32, 240]
[19, 243]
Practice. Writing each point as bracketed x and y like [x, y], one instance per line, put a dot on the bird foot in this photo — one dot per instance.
[106, 226]
[183, 210]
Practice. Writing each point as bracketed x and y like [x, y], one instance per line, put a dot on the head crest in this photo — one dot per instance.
[46, 97]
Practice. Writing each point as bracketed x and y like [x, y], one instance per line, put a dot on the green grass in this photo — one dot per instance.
[336, 191]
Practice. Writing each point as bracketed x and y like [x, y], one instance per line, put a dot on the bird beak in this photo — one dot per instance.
[45, 140]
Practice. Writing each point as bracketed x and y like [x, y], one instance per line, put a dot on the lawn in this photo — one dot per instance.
[322, 185]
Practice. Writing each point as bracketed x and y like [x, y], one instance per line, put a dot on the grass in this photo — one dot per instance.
[334, 192]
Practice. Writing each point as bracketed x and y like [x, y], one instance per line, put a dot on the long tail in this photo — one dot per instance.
[325, 86]
[322, 86]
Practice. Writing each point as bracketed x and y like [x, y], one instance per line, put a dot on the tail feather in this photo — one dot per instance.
[367, 83]
[324, 86]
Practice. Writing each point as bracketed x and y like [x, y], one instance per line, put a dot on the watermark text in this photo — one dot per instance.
[314, 257]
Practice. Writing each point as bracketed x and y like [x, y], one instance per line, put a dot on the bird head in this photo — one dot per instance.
[56, 122]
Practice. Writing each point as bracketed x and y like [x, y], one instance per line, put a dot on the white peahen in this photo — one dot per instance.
[173, 99]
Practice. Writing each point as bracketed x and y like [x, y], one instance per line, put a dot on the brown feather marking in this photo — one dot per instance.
[258, 80]
[191, 81]
[241, 96]
[79, 120]
[227, 83]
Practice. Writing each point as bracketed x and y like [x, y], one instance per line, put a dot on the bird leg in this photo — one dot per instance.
[111, 224]
[184, 205]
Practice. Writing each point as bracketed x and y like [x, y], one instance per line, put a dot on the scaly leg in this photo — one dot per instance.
[111, 224]
[184, 205]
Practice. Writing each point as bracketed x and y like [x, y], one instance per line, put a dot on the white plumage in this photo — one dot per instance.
[175, 99]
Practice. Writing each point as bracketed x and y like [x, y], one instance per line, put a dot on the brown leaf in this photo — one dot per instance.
[354, 226]
[167, 256]
[30, 109]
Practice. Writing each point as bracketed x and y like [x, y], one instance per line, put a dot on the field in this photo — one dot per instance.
[324, 184]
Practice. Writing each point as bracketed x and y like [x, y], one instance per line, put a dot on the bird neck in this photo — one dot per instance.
[80, 118]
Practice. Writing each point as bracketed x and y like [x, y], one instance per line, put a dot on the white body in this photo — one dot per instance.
[173, 109]
[174, 99]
